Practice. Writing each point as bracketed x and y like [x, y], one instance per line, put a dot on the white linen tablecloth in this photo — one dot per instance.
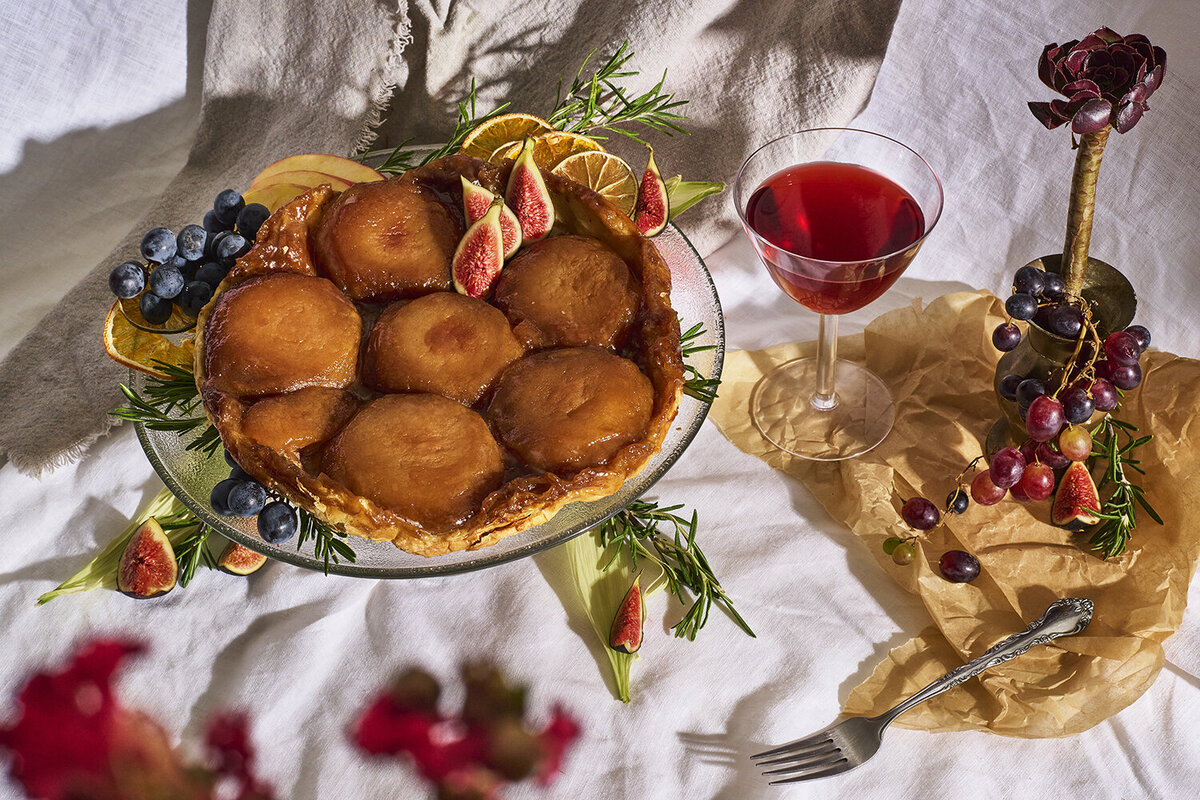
[301, 652]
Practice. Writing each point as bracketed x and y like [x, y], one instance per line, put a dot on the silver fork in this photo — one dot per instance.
[845, 745]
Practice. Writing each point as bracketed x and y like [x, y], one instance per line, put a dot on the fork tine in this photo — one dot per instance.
[793, 745]
[811, 762]
[837, 768]
[801, 754]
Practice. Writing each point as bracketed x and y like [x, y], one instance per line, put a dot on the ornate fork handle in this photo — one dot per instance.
[1062, 618]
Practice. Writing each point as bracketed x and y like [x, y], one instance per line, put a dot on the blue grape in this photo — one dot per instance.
[250, 219]
[194, 296]
[214, 225]
[277, 522]
[158, 245]
[212, 274]
[229, 457]
[247, 498]
[1029, 280]
[155, 309]
[1021, 306]
[219, 498]
[166, 281]
[127, 280]
[190, 242]
[227, 205]
[1008, 386]
[1053, 287]
[231, 246]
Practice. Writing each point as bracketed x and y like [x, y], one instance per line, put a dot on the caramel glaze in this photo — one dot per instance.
[519, 495]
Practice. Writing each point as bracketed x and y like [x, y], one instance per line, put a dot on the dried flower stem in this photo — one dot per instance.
[1083, 205]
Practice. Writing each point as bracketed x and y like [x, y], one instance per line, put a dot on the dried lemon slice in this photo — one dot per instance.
[549, 149]
[603, 173]
[501, 131]
[139, 349]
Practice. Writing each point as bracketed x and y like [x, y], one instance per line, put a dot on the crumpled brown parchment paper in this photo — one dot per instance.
[939, 364]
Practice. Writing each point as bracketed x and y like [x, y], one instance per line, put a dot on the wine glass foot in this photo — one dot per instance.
[782, 410]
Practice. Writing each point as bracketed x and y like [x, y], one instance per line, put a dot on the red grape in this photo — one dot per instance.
[919, 513]
[1104, 394]
[1142, 335]
[1019, 495]
[1045, 418]
[1101, 369]
[1075, 443]
[1051, 456]
[1037, 482]
[1028, 448]
[1006, 337]
[1125, 376]
[959, 566]
[984, 492]
[1121, 347]
[1006, 467]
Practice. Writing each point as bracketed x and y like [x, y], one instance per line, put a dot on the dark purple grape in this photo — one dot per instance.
[1065, 321]
[1009, 384]
[190, 242]
[919, 513]
[1101, 369]
[1006, 337]
[959, 566]
[957, 501]
[1077, 405]
[166, 281]
[227, 205]
[1029, 390]
[1054, 287]
[127, 280]
[1021, 306]
[1045, 418]
[194, 296]
[277, 522]
[1042, 317]
[1104, 394]
[228, 457]
[155, 309]
[210, 247]
[158, 245]
[1029, 280]
[1006, 467]
[250, 219]
[1126, 376]
[1121, 348]
[1142, 335]
[1049, 454]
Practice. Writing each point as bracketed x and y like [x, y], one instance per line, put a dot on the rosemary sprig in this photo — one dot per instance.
[694, 384]
[598, 102]
[329, 544]
[636, 531]
[1115, 442]
[403, 157]
[163, 397]
[192, 550]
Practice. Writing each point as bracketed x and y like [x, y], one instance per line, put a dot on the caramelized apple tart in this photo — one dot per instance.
[343, 371]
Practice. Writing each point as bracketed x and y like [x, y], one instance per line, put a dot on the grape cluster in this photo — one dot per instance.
[240, 495]
[1039, 296]
[922, 515]
[184, 269]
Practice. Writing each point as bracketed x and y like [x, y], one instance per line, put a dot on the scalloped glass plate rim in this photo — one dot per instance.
[689, 274]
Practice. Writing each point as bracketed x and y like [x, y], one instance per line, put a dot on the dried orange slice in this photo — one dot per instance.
[603, 173]
[549, 149]
[498, 131]
[139, 349]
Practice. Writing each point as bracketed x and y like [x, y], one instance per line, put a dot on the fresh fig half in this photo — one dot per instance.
[480, 255]
[238, 560]
[653, 208]
[476, 202]
[528, 196]
[148, 567]
[1075, 496]
[626, 633]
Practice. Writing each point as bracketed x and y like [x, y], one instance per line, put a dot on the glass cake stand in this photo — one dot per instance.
[191, 474]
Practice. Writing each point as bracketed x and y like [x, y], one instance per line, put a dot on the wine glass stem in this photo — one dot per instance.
[825, 398]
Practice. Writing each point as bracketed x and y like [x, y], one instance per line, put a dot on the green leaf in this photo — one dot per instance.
[682, 195]
[602, 577]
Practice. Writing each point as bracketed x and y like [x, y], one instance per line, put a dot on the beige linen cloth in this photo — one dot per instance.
[939, 362]
[283, 78]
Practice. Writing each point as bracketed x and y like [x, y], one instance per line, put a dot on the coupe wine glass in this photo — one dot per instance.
[836, 215]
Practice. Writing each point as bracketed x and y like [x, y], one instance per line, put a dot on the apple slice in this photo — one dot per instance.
[335, 166]
[300, 178]
[275, 196]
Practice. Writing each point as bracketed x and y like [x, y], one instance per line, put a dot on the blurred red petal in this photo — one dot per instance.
[556, 738]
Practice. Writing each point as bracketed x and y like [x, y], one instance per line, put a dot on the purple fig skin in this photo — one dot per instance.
[476, 202]
[528, 196]
[653, 207]
[148, 567]
[1076, 493]
[626, 633]
[480, 255]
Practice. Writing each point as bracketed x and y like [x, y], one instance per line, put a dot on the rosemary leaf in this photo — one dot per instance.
[1114, 442]
[694, 384]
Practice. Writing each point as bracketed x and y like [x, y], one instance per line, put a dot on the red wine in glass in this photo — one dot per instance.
[837, 236]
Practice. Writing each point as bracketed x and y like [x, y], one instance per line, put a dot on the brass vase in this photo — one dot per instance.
[1043, 355]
